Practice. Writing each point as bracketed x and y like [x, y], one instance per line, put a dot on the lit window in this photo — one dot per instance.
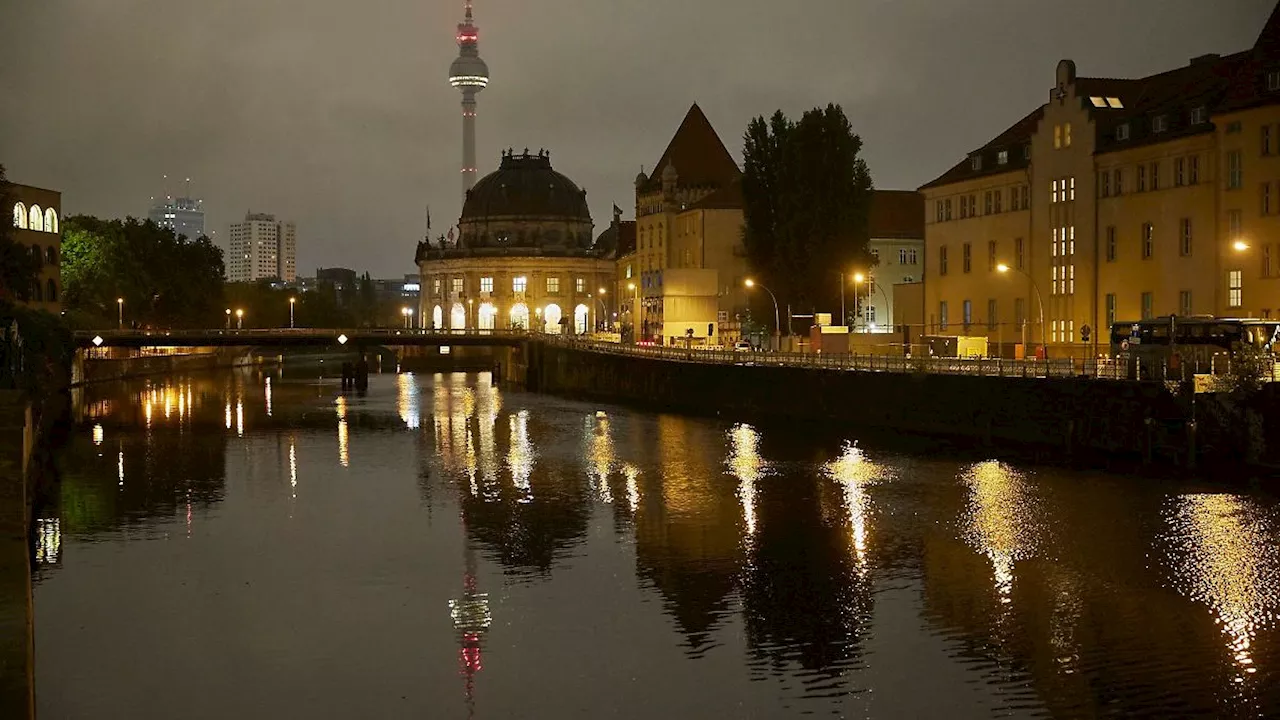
[456, 286]
[553, 285]
[977, 162]
[1235, 288]
[580, 285]
[1057, 137]
[942, 315]
[1114, 103]
[1235, 173]
[20, 215]
[1066, 135]
[1002, 158]
[518, 284]
[35, 218]
[1147, 306]
[1098, 102]
[1122, 131]
[486, 284]
[1072, 188]
[1148, 240]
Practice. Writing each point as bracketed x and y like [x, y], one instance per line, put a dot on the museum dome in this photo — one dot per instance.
[525, 186]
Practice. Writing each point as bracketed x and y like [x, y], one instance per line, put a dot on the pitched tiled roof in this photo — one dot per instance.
[699, 156]
[728, 197]
[897, 214]
[1014, 140]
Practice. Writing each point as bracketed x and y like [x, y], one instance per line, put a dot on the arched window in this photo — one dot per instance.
[486, 314]
[37, 294]
[581, 316]
[519, 316]
[20, 216]
[458, 317]
[437, 318]
[51, 291]
[35, 219]
[551, 317]
[51, 255]
[50, 220]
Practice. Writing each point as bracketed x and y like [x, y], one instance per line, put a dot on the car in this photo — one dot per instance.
[742, 346]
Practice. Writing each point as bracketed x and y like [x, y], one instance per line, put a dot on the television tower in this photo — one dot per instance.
[469, 74]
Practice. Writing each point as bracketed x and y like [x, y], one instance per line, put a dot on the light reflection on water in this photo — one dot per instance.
[619, 559]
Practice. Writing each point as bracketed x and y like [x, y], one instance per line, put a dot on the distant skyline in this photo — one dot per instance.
[341, 118]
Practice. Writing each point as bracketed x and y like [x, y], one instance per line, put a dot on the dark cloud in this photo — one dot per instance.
[338, 114]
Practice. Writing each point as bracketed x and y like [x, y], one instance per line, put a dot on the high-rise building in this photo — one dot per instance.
[470, 75]
[1114, 201]
[262, 248]
[183, 215]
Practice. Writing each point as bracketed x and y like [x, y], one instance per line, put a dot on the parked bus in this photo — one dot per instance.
[1184, 345]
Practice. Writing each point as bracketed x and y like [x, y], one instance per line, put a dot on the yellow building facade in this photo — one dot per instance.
[37, 226]
[1116, 200]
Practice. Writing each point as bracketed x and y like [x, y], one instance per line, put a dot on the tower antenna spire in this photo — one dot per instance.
[469, 74]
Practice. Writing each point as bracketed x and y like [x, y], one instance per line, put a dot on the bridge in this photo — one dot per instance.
[300, 337]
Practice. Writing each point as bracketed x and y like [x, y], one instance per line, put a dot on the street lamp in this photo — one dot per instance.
[228, 318]
[1240, 246]
[407, 313]
[239, 319]
[604, 309]
[292, 302]
[857, 280]
[777, 318]
[1039, 301]
[120, 304]
[635, 313]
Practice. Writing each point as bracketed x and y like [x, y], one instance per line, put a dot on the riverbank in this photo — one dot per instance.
[93, 370]
[1060, 419]
[19, 434]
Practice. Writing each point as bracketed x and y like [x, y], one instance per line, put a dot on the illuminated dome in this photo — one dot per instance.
[469, 71]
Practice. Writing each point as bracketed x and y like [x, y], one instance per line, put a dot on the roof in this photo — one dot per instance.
[728, 197]
[618, 239]
[1013, 140]
[699, 156]
[525, 186]
[897, 214]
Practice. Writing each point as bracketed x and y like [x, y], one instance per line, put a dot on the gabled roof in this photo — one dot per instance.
[728, 197]
[1013, 140]
[699, 156]
[897, 214]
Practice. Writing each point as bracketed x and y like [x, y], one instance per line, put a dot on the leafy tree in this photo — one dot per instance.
[807, 197]
[18, 267]
[164, 281]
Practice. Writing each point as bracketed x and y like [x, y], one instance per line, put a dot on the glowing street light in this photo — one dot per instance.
[120, 304]
[407, 312]
[1240, 246]
[292, 301]
[1039, 301]
[228, 318]
[239, 319]
[777, 317]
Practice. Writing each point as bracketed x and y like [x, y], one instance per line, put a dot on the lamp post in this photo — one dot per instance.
[604, 309]
[228, 318]
[120, 305]
[777, 318]
[635, 313]
[857, 280]
[1039, 301]
[470, 315]
[292, 302]
[239, 319]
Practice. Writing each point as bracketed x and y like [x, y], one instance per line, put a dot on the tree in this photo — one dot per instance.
[164, 281]
[807, 197]
[18, 267]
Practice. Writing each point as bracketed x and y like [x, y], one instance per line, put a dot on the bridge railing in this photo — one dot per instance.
[107, 336]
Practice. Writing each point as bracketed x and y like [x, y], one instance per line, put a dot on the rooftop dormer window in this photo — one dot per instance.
[1160, 123]
[1002, 158]
[976, 162]
[1122, 131]
[1273, 80]
[1200, 115]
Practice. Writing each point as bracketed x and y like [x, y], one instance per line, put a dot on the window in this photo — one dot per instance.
[435, 286]
[1155, 175]
[580, 285]
[629, 271]
[1266, 139]
[20, 215]
[942, 315]
[964, 206]
[1147, 303]
[987, 203]
[1114, 103]
[1104, 183]
[553, 286]
[1266, 261]
[1111, 309]
[999, 197]
[991, 314]
[518, 284]
[1053, 191]
[51, 226]
[35, 219]
[1002, 158]
[968, 312]
[937, 211]
[51, 288]
[1098, 102]
[1266, 198]
[1122, 131]
[1235, 288]
[1184, 237]
[967, 257]
[942, 260]
[1179, 172]
[1199, 115]
[1057, 137]
[875, 255]
[991, 255]
[948, 206]
[1142, 178]
[1066, 135]
[1111, 243]
[1273, 80]
[1193, 169]
[1159, 123]
[976, 161]
[1184, 303]
[1026, 197]
[1119, 175]
[1071, 188]
[871, 314]
[1235, 225]
[1148, 240]
[455, 285]
[1026, 152]
[1017, 254]
[1019, 312]
[907, 256]
[1235, 173]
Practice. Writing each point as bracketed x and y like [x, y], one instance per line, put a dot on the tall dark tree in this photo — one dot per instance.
[807, 196]
[18, 267]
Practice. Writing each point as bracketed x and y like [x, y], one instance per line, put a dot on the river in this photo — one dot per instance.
[262, 544]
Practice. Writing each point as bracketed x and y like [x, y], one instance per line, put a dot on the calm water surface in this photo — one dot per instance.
[256, 545]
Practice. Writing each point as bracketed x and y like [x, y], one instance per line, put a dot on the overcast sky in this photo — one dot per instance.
[338, 114]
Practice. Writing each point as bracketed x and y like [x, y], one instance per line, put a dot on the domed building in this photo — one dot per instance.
[524, 258]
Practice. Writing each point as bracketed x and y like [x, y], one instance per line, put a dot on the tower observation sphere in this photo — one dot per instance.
[470, 75]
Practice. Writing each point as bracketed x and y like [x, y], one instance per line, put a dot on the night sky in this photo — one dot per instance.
[338, 115]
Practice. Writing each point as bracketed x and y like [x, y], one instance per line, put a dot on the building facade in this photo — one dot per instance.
[262, 248]
[524, 258]
[184, 216]
[896, 229]
[1116, 200]
[689, 222]
[37, 226]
